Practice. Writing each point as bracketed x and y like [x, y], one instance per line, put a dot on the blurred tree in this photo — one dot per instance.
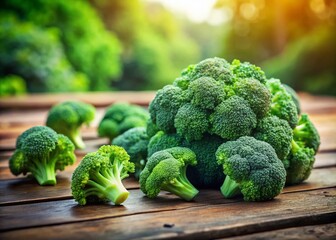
[88, 46]
[36, 54]
[12, 85]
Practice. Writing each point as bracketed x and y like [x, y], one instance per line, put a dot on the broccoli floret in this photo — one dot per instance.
[306, 133]
[255, 93]
[135, 142]
[162, 140]
[98, 176]
[67, 118]
[299, 163]
[152, 129]
[294, 96]
[165, 105]
[277, 133]
[166, 170]
[41, 152]
[191, 122]
[282, 104]
[252, 168]
[247, 70]
[216, 68]
[120, 117]
[233, 118]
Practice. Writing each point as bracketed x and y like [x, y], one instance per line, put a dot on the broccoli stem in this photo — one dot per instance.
[108, 186]
[299, 131]
[295, 147]
[230, 188]
[181, 187]
[77, 140]
[44, 171]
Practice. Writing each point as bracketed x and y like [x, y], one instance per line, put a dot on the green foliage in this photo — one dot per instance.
[36, 55]
[252, 168]
[67, 118]
[41, 152]
[120, 117]
[12, 85]
[87, 46]
[98, 176]
[166, 170]
[135, 142]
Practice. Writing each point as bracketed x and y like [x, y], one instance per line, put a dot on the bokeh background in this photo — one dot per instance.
[111, 45]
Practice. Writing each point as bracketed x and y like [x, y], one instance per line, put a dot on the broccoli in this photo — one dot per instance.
[166, 170]
[98, 176]
[277, 133]
[251, 168]
[134, 141]
[294, 96]
[120, 117]
[67, 118]
[151, 129]
[304, 146]
[282, 104]
[41, 152]
[162, 140]
[247, 70]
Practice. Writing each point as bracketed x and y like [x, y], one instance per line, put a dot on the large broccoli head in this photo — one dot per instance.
[166, 170]
[135, 142]
[67, 118]
[41, 152]
[98, 176]
[252, 168]
[120, 117]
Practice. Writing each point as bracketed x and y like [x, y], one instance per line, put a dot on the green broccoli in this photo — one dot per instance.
[162, 140]
[294, 96]
[98, 176]
[233, 118]
[252, 168]
[67, 118]
[41, 152]
[247, 70]
[151, 129]
[120, 117]
[277, 133]
[306, 133]
[166, 170]
[135, 142]
[282, 104]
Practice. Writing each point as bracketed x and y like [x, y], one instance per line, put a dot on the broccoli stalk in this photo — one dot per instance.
[230, 188]
[98, 177]
[44, 171]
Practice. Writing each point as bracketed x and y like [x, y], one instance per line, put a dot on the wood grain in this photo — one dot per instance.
[200, 222]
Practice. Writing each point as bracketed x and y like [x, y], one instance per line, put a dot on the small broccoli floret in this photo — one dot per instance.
[162, 140]
[247, 70]
[206, 93]
[255, 93]
[152, 129]
[299, 163]
[306, 133]
[120, 117]
[135, 142]
[216, 68]
[165, 106]
[98, 176]
[252, 168]
[294, 96]
[166, 170]
[233, 118]
[41, 152]
[282, 104]
[277, 133]
[191, 122]
[68, 117]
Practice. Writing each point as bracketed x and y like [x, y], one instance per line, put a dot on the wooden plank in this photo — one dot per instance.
[24, 190]
[98, 99]
[325, 160]
[325, 231]
[199, 222]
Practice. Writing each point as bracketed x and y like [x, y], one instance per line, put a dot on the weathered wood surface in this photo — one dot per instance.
[27, 210]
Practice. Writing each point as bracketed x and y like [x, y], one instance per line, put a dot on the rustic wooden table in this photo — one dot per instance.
[30, 211]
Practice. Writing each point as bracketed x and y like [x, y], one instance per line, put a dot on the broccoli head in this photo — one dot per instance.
[277, 133]
[120, 117]
[166, 170]
[135, 142]
[247, 70]
[252, 168]
[162, 140]
[294, 96]
[41, 152]
[98, 176]
[67, 118]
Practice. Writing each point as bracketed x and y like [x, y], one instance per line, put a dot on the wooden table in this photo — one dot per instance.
[30, 211]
